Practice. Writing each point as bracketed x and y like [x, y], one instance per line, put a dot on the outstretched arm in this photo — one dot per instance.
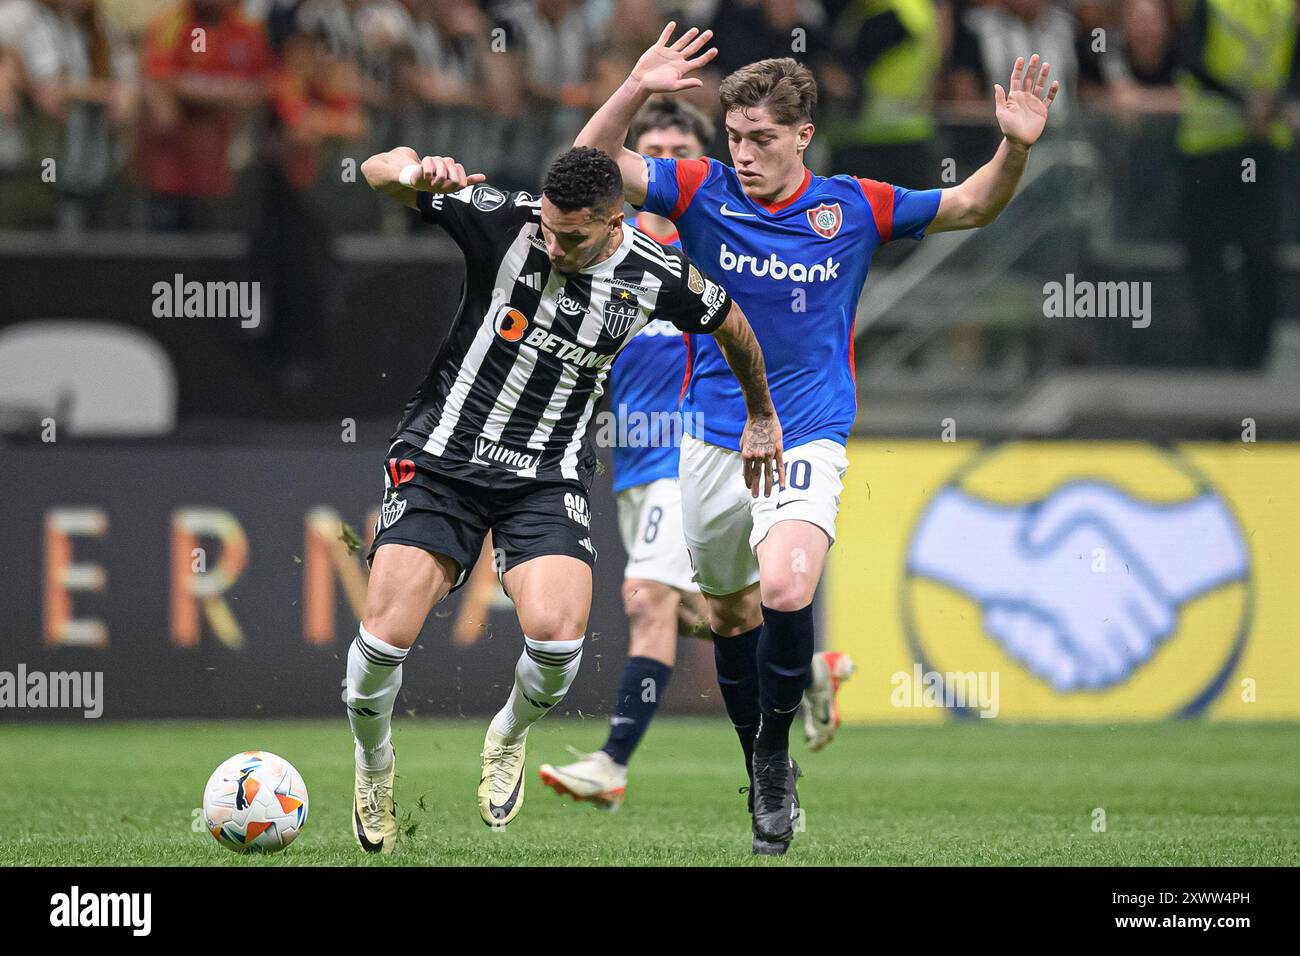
[760, 445]
[662, 69]
[400, 173]
[1022, 116]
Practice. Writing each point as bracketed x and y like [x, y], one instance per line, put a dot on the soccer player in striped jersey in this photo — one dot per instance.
[795, 248]
[494, 439]
[659, 597]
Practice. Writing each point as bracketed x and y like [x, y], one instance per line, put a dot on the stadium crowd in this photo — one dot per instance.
[147, 113]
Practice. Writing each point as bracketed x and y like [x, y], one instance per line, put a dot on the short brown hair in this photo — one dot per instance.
[785, 86]
[671, 114]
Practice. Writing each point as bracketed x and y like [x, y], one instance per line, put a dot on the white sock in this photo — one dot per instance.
[542, 678]
[374, 678]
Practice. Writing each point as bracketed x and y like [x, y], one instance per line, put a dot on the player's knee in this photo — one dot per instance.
[734, 614]
[649, 604]
[788, 592]
[553, 624]
[391, 624]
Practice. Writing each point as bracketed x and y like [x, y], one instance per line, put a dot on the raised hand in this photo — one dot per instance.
[664, 68]
[1022, 112]
[442, 174]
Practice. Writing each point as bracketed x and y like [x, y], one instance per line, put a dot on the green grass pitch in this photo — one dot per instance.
[1173, 794]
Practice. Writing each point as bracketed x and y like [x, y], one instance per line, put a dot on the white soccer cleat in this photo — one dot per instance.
[501, 788]
[374, 815]
[821, 710]
[594, 778]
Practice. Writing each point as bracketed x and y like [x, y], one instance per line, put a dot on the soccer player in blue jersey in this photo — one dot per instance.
[794, 249]
[659, 597]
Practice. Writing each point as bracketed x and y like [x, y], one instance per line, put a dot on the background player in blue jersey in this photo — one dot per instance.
[794, 249]
[659, 596]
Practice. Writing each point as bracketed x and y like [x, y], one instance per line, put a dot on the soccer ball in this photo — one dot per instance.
[255, 802]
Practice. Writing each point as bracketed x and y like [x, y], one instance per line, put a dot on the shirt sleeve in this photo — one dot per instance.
[473, 215]
[672, 184]
[900, 213]
[694, 303]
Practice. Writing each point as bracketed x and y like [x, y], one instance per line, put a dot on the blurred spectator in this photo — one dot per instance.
[990, 37]
[81, 76]
[315, 98]
[76, 72]
[554, 43]
[17, 172]
[205, 69]
[460, 90]
[750, 30]
[1233, 135]
[894, 46]
[1136, 70]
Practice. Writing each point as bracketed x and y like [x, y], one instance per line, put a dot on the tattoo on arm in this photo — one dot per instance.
[741, 350]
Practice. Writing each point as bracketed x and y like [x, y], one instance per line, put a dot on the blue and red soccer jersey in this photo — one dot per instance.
[796, 268]
[645, 389]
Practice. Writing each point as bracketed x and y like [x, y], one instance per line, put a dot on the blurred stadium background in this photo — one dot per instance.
[129, 439]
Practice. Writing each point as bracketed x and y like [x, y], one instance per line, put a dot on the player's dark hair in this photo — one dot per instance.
[784, 85]
[584, 178]
[671, 114]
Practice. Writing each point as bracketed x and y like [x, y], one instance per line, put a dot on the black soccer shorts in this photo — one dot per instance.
[449, 516]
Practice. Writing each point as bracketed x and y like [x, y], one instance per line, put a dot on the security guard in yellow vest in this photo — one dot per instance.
[1238, 59]
[894, 45]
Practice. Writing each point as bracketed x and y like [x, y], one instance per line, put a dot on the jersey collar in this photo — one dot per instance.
[617, 256]
[773, 208]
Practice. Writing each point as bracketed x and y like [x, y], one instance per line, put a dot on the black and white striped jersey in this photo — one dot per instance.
[511, 391]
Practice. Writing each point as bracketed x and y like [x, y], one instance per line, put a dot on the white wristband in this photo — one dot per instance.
[407, 176]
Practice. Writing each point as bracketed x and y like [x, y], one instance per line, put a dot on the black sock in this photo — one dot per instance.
[644, 682]
[737, 662]
[785, 650]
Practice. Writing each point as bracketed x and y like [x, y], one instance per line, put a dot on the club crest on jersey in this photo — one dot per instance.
[392, 509]
[621, 311]
[826, 220]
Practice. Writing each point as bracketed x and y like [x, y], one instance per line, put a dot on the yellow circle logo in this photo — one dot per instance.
[1095, 582]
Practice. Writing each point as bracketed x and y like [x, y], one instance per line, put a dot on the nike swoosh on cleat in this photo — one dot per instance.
[365, 841]
[500, 810]
[736, 215]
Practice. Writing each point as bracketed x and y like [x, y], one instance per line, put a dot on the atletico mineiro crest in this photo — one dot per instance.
[826, 220]
[621, 311]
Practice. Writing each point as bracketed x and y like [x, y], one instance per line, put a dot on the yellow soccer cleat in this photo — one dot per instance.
[374, 815]
[501, 788]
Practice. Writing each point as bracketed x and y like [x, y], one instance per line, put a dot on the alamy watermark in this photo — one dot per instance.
[180, 299]
[1083, 299]
[57, 690]
[624, 428]
[952, 689]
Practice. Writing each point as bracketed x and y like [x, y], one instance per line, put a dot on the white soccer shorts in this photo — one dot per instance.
[724, 525]
[650, 523]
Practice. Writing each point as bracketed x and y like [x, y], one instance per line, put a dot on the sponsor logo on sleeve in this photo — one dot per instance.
[511, 325]
[695, 281]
